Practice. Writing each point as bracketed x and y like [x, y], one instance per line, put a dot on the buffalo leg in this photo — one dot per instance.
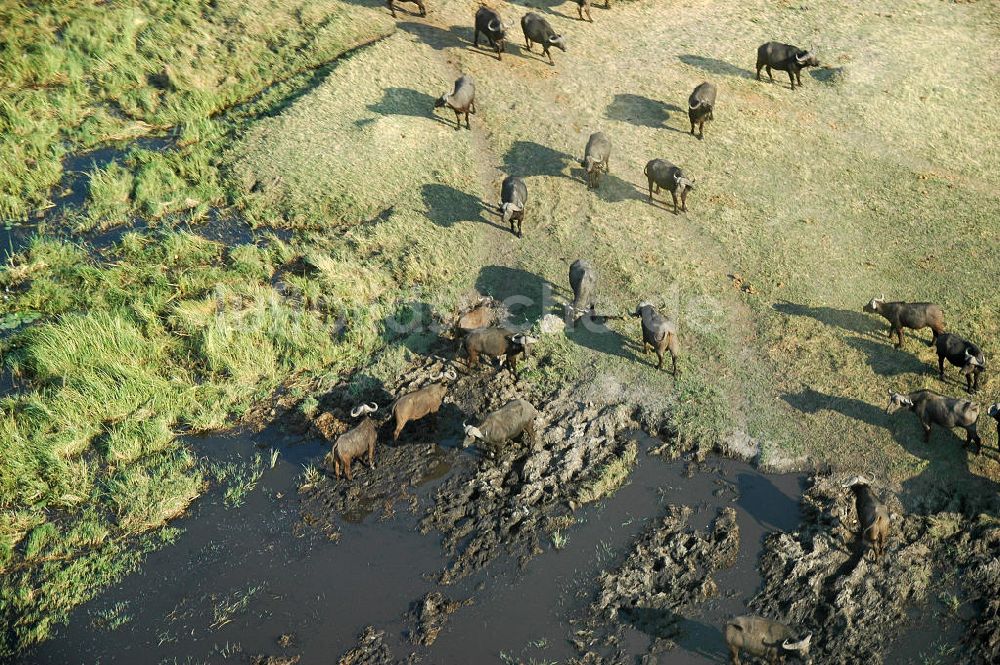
[423, 10]
[472, 107]
[347, 468]
[684, 200]
[927, 432]
[458, 120]
[392, 10]
[692, 128]
[760, 65]
[371, 457]
[701, 130]
[798, 77]
[769, 74]
[791, 77]
[659, 359]
[588, 15]
[475, 38]
[551, 61]
[336, 466]
[899, 336]
[467, 125]
[527, 43]
[941, 368]
[674, 196]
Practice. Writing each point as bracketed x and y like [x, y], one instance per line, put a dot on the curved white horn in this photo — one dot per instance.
[451, 374]
[882, 297]
[358, 410]
[493, 25]
[435, 376]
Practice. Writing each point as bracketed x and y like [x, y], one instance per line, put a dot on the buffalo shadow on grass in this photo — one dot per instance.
[439, 38]
[603, 339]
[610, 188]
[527, 158]
[886, 360]
[715, 66]
[447, 206]
[849, 319]
[525, 294]
[946, 483]
[827, 75]
[641, 111]
[406, 101]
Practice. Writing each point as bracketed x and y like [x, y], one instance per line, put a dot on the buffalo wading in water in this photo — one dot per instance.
[462, 100]
[963, 354]
[785, 58]
[873, 517]
[913, 315]
[764, 638]
[701, 105]
[420, 403]
[500, 343]
[391, 4]
[510, 421]
[538, 31]
[659, 333]
[934, 409]
[488, 22]
[661, 174]
[595, 158]
[356, 442]
[513, 200]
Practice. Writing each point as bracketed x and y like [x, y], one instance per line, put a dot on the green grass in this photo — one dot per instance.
[609, 476]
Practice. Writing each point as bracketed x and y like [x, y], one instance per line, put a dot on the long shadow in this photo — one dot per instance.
[848, 319]
[403, 101]
[693, 636]
[447, 206]
[715, 66]
[610, 188]
[640, 111]
[945, 484]
[598, 337]
[886, 360]
[439, 38]
[523, 293]
[527, 158]
[764, 502]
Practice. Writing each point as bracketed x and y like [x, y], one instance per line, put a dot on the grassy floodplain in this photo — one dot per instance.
[355, 203]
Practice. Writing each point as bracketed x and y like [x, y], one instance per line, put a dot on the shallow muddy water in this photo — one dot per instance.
[239, 578]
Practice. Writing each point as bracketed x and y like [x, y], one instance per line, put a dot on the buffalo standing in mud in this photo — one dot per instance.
[661, 174]
[963, 354]
[505, 424]
[356, 442]
[934, 409]
[659, 333]
[595, 158]
[391, 4]
[785, 58]
[462, 100]
[913, 315]
[500, 343]
[764, 638]
[488, 22]
[701, 105]
[873, 516]
[538, 31]
[513, 200]
[584, 6]
[480, 316]
[420, 403]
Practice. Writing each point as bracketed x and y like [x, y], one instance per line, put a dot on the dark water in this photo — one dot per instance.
[326, 593]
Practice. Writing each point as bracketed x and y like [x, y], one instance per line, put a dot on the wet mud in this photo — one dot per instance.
[594, 543]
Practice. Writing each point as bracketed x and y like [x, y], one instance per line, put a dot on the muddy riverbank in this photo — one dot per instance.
[243, 582]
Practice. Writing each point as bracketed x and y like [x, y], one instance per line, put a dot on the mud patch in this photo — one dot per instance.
[816, 580]
[429, 616]
[668, 571]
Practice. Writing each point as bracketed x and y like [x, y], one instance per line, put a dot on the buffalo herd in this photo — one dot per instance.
[480, 337]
